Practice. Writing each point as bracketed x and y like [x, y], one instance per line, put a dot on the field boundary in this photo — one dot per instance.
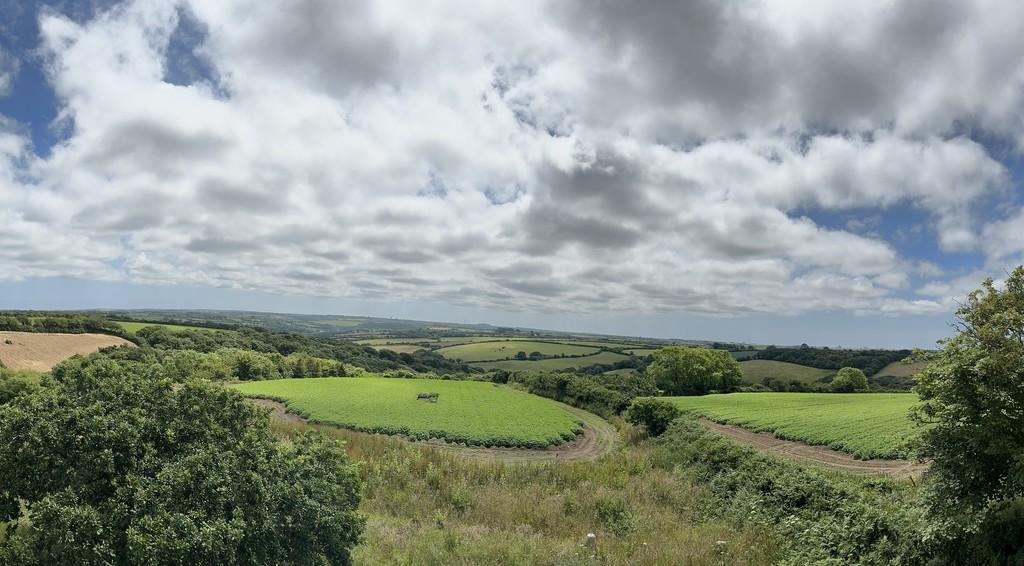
[597, 439]
[818, 455]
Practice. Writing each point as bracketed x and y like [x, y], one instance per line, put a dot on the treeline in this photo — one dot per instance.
[605, 395]
[868, 361]
[30, 321]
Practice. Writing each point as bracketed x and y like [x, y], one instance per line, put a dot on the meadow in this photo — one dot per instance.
[900, 369]
[489, 351]
[553, 364]
[471, 412]
[754, 371]
[133, 327]
[867, 425]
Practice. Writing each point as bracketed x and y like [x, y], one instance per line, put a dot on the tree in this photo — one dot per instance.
[653, 414]
[679, 370]
[536, 356]
[123, 466]
[973, 402]
[520, 355]
[849, 380]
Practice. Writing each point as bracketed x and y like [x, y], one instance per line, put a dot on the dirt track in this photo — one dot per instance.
[817, 454]
[598, 438]
[40, 351]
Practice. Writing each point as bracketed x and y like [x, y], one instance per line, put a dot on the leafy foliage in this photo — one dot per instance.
[869, 361]
[849, 380]
[114, 465]
[973, 394]
[32, 321]
[653, 414]
[605, 394]
[15, 383]
[679, 370]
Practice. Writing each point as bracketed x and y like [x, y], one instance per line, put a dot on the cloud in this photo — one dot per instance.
[491, 156]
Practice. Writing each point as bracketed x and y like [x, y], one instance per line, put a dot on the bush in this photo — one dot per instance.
[849, 380]
[120, 466]
[653, 414]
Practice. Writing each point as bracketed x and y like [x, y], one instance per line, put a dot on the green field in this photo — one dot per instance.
[756, 370]
[900, 369]
[400, 348]
[553, 364]
[133, 327]
[429, 340]
[867, 425]
[473, 412]
[487, 351]
[641, 352]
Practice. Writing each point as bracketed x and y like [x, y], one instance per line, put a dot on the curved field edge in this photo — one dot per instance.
[539, 441]
[857, 445]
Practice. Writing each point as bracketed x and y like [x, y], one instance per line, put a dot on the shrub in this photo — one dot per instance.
[849, 380]
[653, 414]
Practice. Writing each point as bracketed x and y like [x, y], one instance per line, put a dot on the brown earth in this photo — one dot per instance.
[598, 438]
[40, 351]
[819, 455]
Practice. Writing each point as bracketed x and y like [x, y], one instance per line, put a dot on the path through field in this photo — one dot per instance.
[40, 351]
[819, 455]
[597, 439]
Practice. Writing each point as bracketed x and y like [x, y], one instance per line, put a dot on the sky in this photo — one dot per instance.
[781, 172]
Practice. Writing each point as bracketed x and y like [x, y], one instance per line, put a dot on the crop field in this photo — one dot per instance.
[487, 351]
[900, 369]
[553, 364]
[133, 327]
[472, 412]
[400, 348]
[431, 340]
[756, 370]
[867, 425]
[641, 352]
[40, 351]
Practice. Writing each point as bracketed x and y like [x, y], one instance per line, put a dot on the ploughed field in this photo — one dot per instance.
[867, 425]
[471, 412]
[40, 351]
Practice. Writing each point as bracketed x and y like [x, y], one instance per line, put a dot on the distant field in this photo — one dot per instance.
[426, 340]
[484, 351]
[473, 412]
[553, 364]
[899, 369]
[641, 352]
[756, 370]
[400, 348]
[133, 327]
[345, 322]
[744, 354]
[40, 351]
[623, 371]
[867, 425]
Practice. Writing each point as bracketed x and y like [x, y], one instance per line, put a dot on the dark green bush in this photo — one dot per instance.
[653, 414]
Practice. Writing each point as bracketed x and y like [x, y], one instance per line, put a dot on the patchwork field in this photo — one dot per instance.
[133, 327]
[756, 370]
[487, 351]
[867, 425]
[553, 364]
[40, 351]
[471, 412]
[399, 348]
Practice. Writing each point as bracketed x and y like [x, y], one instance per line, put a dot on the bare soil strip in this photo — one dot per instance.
[597, 439]
[40, 351]
[819, 455]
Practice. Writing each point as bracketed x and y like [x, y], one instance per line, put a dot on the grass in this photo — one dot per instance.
[431, 340]
[744, 354]
[400, 348]
[489, 351]
[867, 425]
[426, 506]
[553, 364]
[133, 327]
[641, 352]
[472, 412]
[900, 369]
[754, 371]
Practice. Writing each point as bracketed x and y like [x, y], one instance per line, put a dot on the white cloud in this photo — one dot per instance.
[492, 156]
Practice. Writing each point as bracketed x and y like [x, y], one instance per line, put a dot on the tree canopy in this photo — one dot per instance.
[115, 465]
[679, 370]
[849, 380]
[973, 399]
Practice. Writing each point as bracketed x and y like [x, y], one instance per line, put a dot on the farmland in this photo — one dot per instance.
[132, 327]
[754, 371]
[40, 351]
[489, 351]
[465, 411]
[866, 425]
[553, 364]
[900, 369]
[399, 348]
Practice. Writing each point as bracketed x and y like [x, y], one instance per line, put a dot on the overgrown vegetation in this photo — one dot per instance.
[868, 361]
[603, 394]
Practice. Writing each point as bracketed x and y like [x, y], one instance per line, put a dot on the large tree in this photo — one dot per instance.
[117, 465]
[679, 370]
[849, 380]
[973, 403]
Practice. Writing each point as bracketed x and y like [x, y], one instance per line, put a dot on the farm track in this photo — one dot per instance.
[818, 455]
[598, 438]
